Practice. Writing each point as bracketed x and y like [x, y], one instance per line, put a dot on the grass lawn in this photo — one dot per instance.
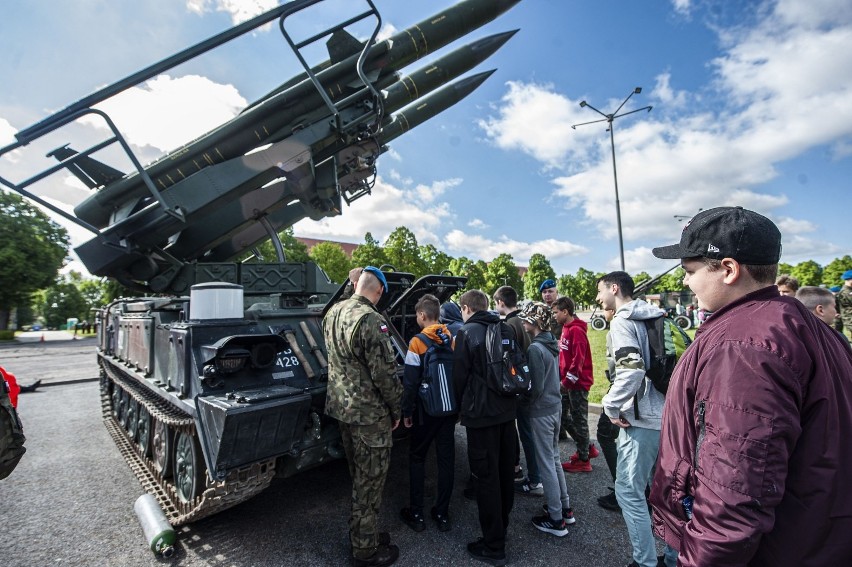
[597, 340]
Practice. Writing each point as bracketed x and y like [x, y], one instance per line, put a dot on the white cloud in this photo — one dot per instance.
[481, 248]
[166, 113]
[682, 6]
[477, 223]
[428, 193]
[240, 10]
[536, 120]
[7, 132]
[668, 96]
[380, 213]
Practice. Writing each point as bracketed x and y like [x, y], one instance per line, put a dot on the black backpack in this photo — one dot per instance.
[666, 342]
[508, 373]
[436, 388]
[11, 434]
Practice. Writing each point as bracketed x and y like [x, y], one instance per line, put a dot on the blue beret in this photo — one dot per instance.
[834, 289]
[379, 275]
[847, 275]
[550, 283]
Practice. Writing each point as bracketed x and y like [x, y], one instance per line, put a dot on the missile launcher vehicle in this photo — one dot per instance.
[213, 379]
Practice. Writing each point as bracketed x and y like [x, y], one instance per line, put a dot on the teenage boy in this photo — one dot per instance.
[754, 452]
[506, 305]
[576, 377]
[489, 418]
[426, 428]
[635, 406]
[542, 406]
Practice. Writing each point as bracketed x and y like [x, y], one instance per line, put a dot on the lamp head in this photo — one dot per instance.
[582, 103]
[637, 90]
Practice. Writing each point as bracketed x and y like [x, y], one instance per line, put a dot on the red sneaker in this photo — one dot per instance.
[593, 451]
[577, 466]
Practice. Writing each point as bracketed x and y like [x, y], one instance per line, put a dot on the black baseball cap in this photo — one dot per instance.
[727, 232]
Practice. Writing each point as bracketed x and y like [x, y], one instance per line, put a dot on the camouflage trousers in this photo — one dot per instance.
[367, 450]
[575, 419]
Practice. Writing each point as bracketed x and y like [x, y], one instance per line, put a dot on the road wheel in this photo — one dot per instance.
[122, 407]
[598, 323]
[132, 418]
[161, 448]
[143, 431]
[683, 322]
[115, 399]
[190, 471]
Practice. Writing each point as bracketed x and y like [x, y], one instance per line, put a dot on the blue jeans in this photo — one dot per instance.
[637, 455]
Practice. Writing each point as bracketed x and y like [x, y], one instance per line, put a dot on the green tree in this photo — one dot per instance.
[333, 260]
[403, 252]
[32, 250]
[62, 302]
[673, 281]
[587, 288]
[94, 291]
[473, 271]
[294, 250]
[834, 269]
[539, 270]
[808, 273]
[370, 253]
[567, 285]
[435, 260]
[784, 268]
[641, 277]
[503, 271]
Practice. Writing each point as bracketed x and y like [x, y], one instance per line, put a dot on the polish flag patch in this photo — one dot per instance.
[383, 328]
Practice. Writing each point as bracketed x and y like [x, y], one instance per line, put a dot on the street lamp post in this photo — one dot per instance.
[609, 119]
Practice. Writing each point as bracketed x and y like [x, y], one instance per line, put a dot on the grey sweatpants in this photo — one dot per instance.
[545, 437]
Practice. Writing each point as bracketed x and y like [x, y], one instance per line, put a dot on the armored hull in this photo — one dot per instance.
[209, 403]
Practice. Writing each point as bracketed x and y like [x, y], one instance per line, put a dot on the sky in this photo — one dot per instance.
[752, 106]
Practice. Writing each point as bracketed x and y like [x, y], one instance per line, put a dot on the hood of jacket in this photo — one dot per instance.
[639, 310]
[578, 323]
[450, 313]
[546, 340]
[432, 332]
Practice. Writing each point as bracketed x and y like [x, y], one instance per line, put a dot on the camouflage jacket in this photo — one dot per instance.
[362, 383]
[844, 305]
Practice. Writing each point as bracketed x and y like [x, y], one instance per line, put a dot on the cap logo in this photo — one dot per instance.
[711, 248]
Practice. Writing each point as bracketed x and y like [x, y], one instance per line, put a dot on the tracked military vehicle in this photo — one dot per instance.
[214, 378]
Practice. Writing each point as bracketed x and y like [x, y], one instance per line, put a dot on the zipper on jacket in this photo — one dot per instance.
[701, 430]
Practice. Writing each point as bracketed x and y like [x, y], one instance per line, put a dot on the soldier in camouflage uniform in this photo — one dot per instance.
[844, 300]
[364, 395]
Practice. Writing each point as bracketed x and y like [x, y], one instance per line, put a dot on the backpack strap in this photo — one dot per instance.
[428, 342]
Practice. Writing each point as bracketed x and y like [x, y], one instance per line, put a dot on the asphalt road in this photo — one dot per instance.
[70, 501]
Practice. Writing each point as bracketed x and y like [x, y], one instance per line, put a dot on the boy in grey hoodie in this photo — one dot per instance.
[632, 393]
[542, 407]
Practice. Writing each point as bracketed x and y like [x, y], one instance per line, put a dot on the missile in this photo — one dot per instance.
[222, 199]
[255, 126]
[403, 121]
[228, 217]
[195, 240]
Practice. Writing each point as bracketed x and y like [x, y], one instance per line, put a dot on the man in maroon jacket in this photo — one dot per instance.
[754, 451]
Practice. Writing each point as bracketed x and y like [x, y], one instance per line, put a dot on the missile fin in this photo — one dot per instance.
[341, 45]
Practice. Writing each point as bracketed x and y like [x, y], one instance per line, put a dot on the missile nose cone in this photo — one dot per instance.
[492, 43]
[469, 84]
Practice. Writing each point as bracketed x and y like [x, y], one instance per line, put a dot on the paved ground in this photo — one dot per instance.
[70, 502]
